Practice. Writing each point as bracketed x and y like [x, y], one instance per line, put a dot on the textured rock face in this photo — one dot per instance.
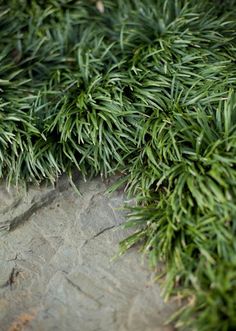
[58, 270]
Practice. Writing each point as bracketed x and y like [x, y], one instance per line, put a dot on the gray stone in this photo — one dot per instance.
[18, 204]
[59, 264]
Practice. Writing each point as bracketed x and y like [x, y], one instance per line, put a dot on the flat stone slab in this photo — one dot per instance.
[58, 270]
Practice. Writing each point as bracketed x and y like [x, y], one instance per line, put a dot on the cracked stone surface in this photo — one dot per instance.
[58, 270]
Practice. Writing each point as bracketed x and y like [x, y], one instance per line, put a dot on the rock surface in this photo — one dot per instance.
[58, 270]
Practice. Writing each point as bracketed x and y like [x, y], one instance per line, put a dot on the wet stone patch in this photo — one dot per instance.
[58, 270]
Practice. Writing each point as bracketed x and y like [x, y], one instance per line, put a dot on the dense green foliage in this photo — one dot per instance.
[146, 89]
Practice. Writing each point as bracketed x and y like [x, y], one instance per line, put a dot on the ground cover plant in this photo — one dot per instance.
[146, 89]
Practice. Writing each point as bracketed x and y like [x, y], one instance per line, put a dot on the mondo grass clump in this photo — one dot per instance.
[147, 89]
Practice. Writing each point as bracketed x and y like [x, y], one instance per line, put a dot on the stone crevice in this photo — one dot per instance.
[108, 228]
[77, 287]
[12, 278]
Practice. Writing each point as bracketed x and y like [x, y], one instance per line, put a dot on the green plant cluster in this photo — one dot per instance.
[146, 89]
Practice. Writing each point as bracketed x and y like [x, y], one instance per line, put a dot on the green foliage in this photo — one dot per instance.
[146, 89]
